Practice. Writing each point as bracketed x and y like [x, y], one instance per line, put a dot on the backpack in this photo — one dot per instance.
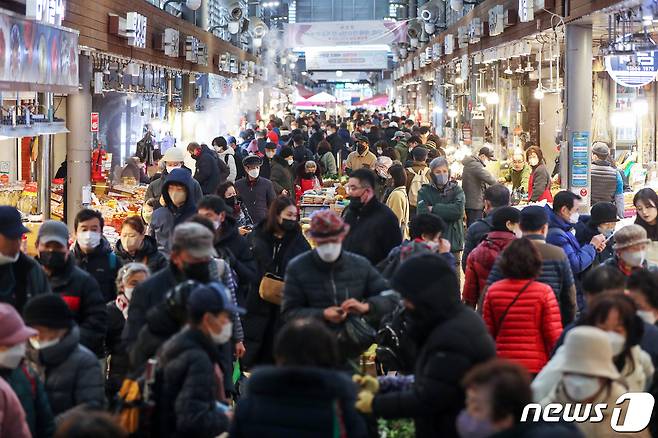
[137, 404]
[417, 182]
[395, 350]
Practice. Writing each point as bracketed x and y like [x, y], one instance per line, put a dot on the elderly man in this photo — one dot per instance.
[631, 244]
[604, 176]
[518, 174]
[257, 193]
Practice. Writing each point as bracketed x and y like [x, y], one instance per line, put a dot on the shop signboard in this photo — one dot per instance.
[526, 11]
[449, 44]
[345, 33]
[346, 59]
[171, 42]
[633, 71]
[136, 29]
[36, 56]
[579, 158]
[475, 28]
[46, 11]
[462, 37]
[496, 20]
[94, 122]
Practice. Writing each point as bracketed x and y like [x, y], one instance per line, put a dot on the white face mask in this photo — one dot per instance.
[170, 168]
[89, 239]
[5, 259]
[254, 173]
[225, 335]
[329, 252]
[290, 161]
[269, 154]
[533, 161]
[573, 218]
[128, 292]
[634, 259]
[647, 316]
[579, 387]
[12, 357]
[40, 345]
[217, 224]
[617, 342]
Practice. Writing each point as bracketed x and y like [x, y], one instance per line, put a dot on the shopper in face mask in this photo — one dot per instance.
[179, 206]
[136, 246]
[374, 228]
[191, 252]
[281, 173]
[330, 282]
[643, 288]
[174, 158]
[539, 182]
[444, 198]
[274, 243]
[601, 220]
[631, 244]
[266, 166]
[73, 375]
[77, 287]
[22, 378]
[451, 339]
[128, 278]
[195, 403]
[21, 277]
[93, 252]
[361, 157]
[256, 192]
[475, 179]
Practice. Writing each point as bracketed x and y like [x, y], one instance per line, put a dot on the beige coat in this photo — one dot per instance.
[355, 161]
[399, 203]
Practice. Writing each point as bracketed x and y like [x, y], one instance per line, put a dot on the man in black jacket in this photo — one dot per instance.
[92, 252]
[20, 276]
[451, 339]
[79, 289]
[337, 143]
[256, 192]
[191, 391]
[190, 256]
[374, 228]
[207, 167]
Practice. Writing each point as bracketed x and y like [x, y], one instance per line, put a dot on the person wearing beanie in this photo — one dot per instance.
[22, 378]
[444, 198]
[603, 174]
[479, 263]
[226, 153]
[451, 339]
[73, 375]
[630, 250]
[79, 290]
[281, 172]
[330, 282]
[193, 400]
[21, 274]
[555, 267]
[601, 220]
[173, 158]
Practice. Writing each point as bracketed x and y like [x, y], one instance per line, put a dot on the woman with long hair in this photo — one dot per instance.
[646, 205]
[274, 242]
[397, 200]
[539, 184]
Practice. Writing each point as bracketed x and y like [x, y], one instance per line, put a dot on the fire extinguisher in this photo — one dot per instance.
[97, 158]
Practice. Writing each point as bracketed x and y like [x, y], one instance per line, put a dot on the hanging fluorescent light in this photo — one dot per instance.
[519, 69]
[539, 93]
[529, 68]
[459, 80]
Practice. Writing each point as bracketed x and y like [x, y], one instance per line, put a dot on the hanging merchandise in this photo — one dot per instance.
[98, 156]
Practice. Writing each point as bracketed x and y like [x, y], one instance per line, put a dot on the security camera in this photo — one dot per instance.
[430, 14]
[257, 28]
[193, 4]
[413, 32]
[457, 5]
[234, 17]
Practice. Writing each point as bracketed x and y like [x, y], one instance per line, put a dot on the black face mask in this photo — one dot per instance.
[419, 323]
[231, 201]
[53, 260]
[197, 271]
[309, 175]
[361, 149]
[288, 225]
[355, 203]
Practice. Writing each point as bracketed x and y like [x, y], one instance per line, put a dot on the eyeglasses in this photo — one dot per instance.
[352, 189]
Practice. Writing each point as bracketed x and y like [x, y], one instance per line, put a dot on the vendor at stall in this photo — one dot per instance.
[518, 173]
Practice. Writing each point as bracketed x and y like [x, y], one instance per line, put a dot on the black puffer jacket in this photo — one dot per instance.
[297, 402]
[83, 296]
[118, 363]
[207, 170]
[189, 387]
[585, 231]
[22, 280]
[262, 320]
[234, 248]
[281, 176]
[147, 254]
[102, 264]
[159, 327]
[72, 374]
[312, 285]
[374, 231]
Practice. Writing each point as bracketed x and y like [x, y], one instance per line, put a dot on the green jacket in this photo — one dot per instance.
[518, 178]
[448, 204]
[403, 150]
[32, 395]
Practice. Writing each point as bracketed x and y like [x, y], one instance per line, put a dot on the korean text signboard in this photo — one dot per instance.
[579, 158]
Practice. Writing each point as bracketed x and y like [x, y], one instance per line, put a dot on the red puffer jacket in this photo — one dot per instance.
[479, 264]
[532, 325]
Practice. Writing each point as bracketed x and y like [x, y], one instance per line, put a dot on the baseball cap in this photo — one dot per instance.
[212, 297]
[13, 330]
[11, 224]
[393, 124]
[252, 160]
[487, 152]
[53, 231]
[194, 239]
[398, 134]
[173, 154]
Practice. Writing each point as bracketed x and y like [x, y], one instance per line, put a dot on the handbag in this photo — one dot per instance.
[355, 336]
[271, 288]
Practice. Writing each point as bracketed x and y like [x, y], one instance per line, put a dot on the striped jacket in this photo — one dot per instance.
[604, 181]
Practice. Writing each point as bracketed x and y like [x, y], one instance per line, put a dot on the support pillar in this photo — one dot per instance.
[578, 83]
[79, 141]
[45, 152]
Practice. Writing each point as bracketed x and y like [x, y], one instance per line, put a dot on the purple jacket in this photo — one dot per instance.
[12, 416]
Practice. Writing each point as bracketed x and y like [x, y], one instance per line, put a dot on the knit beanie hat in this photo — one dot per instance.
[603, 212]
[327, 226]
[502, 215]
[533, 217]
[48, 310]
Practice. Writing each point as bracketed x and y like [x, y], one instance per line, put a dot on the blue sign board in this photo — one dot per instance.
[633, 71]
[579, 158]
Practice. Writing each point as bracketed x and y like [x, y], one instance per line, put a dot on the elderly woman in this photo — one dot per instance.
[383, 181]
[128, 277]
[308, 178]
[444, 198]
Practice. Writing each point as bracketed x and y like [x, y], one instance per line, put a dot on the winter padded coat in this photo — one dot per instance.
[527, 333]
[559, 234]
[446, 202]
[147, 254]
[281, 176]
[480, 262]
[304, 402]
[12, 417]
[102, 264]
[207, 170]
[21, 280]
[72, 374]
[475, 179]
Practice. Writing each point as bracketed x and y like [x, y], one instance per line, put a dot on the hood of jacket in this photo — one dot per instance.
[498, 240]
[102, 250]
[228, 229]
[470, 161]
[555, 221]
[184, 178]
[58, 353]
[307, 382]
[190, 339]
[148, 248]
[229, 151]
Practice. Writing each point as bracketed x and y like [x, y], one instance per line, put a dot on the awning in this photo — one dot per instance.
[376, 100]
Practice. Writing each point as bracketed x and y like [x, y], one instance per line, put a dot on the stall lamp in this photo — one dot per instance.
[539, 93]
[493, 98]
[508, 70]
[519, 69]
[257, 42]
[339, 73]
[452, 113]
[529, 68]
[459, 80]
[481, 107]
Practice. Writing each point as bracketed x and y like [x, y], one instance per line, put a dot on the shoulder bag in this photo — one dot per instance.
[271, 288]
[502, 317]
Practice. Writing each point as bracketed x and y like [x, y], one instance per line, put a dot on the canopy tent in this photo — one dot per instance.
[322, 98]
[304, 92]
[377, 100]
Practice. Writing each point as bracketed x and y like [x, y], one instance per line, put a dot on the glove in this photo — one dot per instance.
[364, 402]
[366, 383]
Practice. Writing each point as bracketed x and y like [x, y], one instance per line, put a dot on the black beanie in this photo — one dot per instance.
[48, 310]
[502, 215]
[533, 218]
[427, 280]
[603, 212]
